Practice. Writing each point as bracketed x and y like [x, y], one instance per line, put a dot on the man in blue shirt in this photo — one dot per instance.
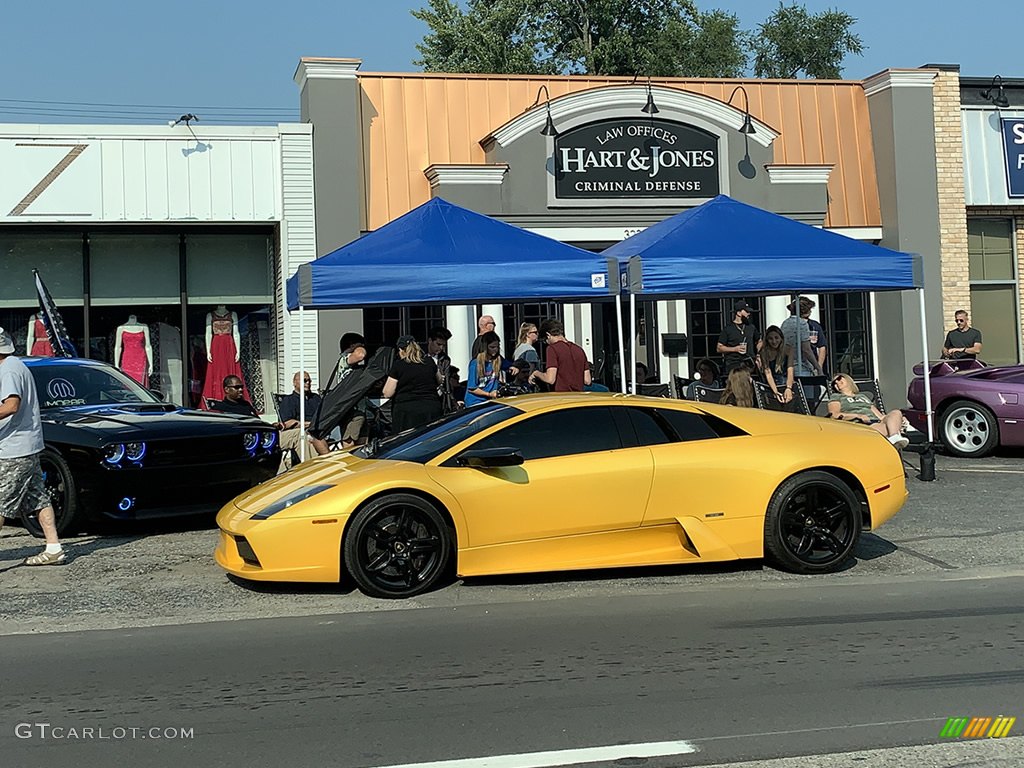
[22, 490]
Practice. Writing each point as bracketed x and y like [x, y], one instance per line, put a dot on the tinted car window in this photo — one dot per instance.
[697, 426]
[62, 386]
[649, 429]
[423, 444]
[566, 432]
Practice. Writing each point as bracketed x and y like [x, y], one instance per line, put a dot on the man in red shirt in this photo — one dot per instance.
[566, 363]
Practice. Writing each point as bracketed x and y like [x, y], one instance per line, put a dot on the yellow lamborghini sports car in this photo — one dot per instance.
[558, 482]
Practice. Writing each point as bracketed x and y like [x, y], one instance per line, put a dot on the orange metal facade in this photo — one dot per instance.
[414, 120]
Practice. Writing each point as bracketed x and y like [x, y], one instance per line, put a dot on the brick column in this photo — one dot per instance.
[949, 166]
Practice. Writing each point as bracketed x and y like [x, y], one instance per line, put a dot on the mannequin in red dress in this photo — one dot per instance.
[133, 352]
[222, 353]
[38, 342]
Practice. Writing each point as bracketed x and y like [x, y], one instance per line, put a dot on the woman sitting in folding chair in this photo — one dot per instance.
[850, 404]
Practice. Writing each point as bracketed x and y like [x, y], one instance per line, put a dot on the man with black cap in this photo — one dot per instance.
[740, 340]
[22, 489]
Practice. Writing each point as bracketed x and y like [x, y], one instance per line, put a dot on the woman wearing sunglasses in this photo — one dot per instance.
[848, 403]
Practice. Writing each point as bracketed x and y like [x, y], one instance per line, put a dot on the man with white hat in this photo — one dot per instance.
[21, 441]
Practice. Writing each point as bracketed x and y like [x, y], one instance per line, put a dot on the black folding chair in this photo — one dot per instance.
[766, 400]
[680, 385]
[653, 390]
[870, 387]
[704, 394]
[820, 386]
[277, 397]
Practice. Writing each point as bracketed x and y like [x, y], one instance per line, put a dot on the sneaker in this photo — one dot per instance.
[47, 558]
[899, 441]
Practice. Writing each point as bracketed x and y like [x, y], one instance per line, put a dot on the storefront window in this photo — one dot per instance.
[383, 325]
[706, 318]
[135, 308]
[536, 313]
[994, 288]
[229, 268]
[229, 331]
[58, 258]
[847, 325]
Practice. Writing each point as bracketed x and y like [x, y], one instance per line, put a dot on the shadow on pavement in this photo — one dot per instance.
[646, 572]
[288, 587]
[871, 547]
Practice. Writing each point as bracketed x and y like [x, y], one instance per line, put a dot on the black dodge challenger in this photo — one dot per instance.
[114, 449]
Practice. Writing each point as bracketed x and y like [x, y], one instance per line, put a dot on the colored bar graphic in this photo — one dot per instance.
[977, 727]
[1001, 727]
[954, 727]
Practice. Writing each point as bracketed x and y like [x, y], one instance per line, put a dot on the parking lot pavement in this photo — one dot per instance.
[966, 524]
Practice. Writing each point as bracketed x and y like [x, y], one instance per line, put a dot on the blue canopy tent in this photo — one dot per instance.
[441, 253]
[728, 247]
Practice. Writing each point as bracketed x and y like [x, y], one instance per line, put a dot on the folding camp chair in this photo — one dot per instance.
[680, 384]
[766, 400]
[704, 394]
[653, 390]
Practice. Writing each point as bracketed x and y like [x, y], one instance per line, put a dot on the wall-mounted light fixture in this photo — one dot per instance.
[747, 127]
[999, 97]
[549, 124]
[650, 108]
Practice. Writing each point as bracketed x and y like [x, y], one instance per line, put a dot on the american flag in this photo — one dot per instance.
[55, 328]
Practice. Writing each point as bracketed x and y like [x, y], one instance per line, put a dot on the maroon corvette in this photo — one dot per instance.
[977, 407]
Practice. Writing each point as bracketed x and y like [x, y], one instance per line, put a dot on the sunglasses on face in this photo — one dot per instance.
[232, 386]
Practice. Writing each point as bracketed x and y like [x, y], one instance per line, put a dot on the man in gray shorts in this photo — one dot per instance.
[21, 442]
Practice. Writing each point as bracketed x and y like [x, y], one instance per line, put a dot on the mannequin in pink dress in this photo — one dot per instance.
[222, 353]
[38, 342]
[133, 352]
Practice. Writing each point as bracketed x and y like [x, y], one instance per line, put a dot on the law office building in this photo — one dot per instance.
[828, 153]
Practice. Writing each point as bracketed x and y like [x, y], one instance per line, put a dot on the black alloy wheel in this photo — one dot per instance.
[812, 524]
[969, 429]
[60, 487]
[397, 546]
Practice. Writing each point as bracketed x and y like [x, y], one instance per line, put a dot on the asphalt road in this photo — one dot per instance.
[967, 523]
[765, 671]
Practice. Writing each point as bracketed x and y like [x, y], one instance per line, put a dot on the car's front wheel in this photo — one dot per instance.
[60, 487]
[969, 429]
[397, 546]
[812, 524]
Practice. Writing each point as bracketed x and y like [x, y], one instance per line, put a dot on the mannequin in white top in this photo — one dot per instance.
[134, 354]
[220, 315]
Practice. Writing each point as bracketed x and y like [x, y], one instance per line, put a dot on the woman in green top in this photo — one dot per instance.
[848, 403]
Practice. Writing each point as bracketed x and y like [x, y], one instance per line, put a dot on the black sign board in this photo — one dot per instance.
[636, 158]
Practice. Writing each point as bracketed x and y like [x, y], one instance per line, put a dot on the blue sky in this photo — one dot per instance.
[236, 57]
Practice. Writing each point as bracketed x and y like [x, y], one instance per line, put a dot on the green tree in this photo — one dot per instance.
[599, 37]
[793, 42]
[658, 38]
[488, 37]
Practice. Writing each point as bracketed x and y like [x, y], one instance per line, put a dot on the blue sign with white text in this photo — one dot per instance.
[1013, 147]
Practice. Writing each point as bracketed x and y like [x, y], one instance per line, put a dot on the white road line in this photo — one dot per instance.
[564, 756]
[983, 470]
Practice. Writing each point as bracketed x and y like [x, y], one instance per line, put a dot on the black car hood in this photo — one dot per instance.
[153, 421]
